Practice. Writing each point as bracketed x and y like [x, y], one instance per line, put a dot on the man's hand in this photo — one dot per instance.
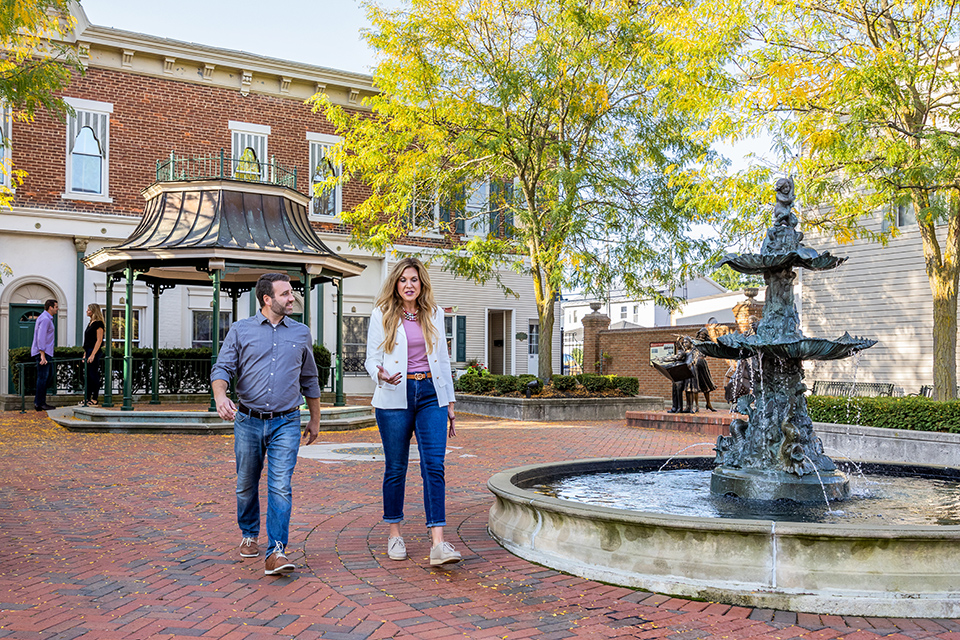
[311, 430]
[225, 407]
[43, 358]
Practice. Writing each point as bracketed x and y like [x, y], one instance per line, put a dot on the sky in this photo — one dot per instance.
[324, 33]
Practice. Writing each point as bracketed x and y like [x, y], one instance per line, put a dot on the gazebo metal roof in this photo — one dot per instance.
[245, 228]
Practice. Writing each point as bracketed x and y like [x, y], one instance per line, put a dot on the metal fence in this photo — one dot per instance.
[174, 377]
[220, 166]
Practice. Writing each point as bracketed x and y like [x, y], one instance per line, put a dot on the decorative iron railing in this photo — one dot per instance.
[221, 166]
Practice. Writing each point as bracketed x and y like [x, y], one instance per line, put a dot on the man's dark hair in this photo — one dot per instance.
[49, 304]
[265, 285]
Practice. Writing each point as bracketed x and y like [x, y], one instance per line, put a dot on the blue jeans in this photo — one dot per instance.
[43, 379]
[428, 420]
[275, 441]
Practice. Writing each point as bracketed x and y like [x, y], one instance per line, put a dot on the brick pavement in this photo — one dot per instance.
[114, 536]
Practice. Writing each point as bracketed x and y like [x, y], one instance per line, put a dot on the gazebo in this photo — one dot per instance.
[223, 233]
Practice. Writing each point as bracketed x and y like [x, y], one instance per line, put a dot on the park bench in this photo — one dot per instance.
[858, 389]
[926, 391]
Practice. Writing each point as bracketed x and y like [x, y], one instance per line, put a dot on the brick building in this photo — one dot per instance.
[144, 98]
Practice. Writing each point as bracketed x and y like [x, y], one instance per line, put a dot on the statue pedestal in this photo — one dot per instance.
[753, 484]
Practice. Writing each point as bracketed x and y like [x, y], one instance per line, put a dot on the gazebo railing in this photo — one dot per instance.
[174, 168]
[176, 377]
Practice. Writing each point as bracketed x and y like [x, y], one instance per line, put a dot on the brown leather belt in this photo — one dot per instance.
[419, 376]
[263, 415]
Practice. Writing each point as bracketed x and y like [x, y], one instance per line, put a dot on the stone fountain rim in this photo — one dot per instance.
[502, 484]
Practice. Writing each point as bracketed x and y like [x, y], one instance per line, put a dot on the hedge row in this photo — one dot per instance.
[179, 370]
[475, 384]
[919, 414]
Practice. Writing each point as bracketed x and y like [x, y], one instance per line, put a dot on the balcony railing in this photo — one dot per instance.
[221, 166]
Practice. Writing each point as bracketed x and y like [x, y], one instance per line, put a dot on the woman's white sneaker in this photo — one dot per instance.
[444, 553]
[396, 549]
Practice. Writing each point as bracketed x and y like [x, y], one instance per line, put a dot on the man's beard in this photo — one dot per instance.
[278, 308]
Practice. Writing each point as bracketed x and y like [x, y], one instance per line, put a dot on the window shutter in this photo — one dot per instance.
[508, 209]
[461, 338]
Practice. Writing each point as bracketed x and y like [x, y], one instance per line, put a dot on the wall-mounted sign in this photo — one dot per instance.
[660, 350]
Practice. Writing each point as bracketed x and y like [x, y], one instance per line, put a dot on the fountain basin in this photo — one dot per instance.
[876, 570]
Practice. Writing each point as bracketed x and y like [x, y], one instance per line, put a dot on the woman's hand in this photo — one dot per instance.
[386, 377]
[452, 418]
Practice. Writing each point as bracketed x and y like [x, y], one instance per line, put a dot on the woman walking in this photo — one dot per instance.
[93, 353]
[407, 358]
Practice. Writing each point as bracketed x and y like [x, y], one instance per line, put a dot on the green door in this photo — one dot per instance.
[23, 318]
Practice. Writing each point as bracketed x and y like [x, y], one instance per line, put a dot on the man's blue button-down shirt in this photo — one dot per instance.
[274, 365]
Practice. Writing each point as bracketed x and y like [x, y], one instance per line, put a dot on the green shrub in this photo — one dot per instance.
[595, 383]
[506, 384]
[485, 384]
[626, 384]
[564, 383]
[467, 383]
[920, 414]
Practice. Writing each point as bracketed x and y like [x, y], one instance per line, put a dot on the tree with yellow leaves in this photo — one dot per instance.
[571, 114]
[34, 67]
[868, 94]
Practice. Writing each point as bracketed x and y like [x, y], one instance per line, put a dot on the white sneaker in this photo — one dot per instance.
[396, 549]
[444, 553]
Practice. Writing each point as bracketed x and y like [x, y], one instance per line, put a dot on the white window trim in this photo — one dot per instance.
[327, 141]
[249, 128]
[104, 108]
[427, 232]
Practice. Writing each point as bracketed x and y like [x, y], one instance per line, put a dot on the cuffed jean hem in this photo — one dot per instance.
[393, 520]
[438, 524]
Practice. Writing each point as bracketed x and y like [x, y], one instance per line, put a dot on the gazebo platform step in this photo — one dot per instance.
[96, 419]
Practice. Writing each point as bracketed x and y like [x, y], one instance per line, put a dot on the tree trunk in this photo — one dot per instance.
[545, 359]
[943, 284]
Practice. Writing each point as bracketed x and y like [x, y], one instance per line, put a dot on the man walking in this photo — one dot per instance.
[44, 340]
[272, 357]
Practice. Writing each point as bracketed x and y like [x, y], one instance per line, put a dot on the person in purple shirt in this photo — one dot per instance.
[44, 340]
[407, 358]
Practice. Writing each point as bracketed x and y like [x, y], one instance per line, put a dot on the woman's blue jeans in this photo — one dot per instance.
[428, 420]
[275, 441]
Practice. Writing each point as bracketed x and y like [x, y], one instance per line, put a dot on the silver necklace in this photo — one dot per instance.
[412, 317]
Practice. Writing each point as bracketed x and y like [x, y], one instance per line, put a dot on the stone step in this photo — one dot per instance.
[112, 421]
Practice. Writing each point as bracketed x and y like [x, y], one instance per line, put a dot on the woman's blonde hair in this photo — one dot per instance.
[391, 305]
[96, 313]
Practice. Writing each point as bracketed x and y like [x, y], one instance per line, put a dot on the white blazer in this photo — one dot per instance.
[388, 396]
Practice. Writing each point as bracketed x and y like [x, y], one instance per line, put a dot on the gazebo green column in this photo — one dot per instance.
[339, 399]
[128, 343]
[215, 271]
[108, 345]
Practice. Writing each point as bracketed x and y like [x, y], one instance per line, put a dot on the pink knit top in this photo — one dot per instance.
[416, 348]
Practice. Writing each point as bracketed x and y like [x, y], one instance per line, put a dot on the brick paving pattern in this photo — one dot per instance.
[115, 536]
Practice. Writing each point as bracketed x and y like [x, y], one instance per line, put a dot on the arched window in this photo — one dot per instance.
[248, 168]
[86, 163]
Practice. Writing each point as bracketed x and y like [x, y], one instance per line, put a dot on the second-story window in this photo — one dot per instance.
[324, 201]
[424, 212]
[248, 151]
[88, 146]
[500, 205]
